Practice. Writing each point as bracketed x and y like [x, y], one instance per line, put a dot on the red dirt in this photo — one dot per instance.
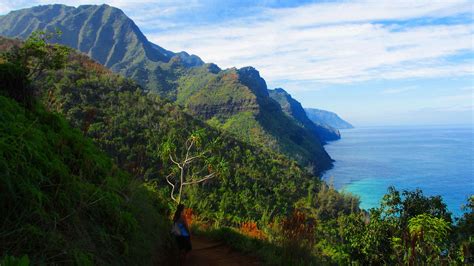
[212, 253]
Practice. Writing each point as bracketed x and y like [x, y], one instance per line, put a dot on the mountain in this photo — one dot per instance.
[293, 108]
[66, 200]
[234, 100]
[327, 118]
[238, 101]
[135, 128]
[104, 33]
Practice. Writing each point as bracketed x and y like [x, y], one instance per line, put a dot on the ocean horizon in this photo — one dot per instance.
[438, 159]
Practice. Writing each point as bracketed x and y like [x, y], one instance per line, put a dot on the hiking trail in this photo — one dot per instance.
[215, 253]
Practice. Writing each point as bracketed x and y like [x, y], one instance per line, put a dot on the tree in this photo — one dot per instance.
[464, 233]
[37, 55]
[428, 235]
[186, 174]
[25, 63]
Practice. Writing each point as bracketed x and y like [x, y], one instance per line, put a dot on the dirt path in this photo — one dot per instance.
[212, 253]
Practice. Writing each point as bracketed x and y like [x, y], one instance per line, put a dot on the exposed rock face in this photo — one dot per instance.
[250, 77]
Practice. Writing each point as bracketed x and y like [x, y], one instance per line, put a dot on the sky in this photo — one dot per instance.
[372, 62]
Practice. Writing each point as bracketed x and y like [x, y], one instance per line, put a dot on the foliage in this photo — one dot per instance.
[27, 62]
[133, 128]
[67, 202]
[464, 234]
[64, 201]
[36, 55]
[428, 238]
[13, 261]
[112, 39]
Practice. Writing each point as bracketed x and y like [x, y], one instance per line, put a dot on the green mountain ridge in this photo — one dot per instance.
[133, 126]
[294, 109]
[235, 100]
[328, 118]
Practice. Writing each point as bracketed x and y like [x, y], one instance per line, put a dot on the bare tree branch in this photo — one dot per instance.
[209, 176]
[183, 166]
[178, 164]
[189, 160]
[188, 148]
[172, 185]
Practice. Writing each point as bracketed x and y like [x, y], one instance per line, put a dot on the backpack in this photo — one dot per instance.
[175, 230]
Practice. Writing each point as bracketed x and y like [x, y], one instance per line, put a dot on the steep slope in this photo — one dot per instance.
[327, 118]
[135, 128]
[104, 33]
[294, 109]
[233, 100]
[237, 101]
[62, 200]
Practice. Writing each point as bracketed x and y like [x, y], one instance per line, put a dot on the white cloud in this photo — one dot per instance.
[322, 43]
[335, 42]
[399, 90]
[459, 102]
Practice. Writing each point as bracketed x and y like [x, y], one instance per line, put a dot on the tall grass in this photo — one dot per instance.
[62, 201]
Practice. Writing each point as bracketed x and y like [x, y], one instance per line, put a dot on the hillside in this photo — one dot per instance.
[237, 101]
[293, 108]
[232, 100]
[327, 118]
[66, 180]
[134, 127]
[64, 201]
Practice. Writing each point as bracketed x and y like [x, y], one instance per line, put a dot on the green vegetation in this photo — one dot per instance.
[393, 234]
[293, 109]
[110, 37]
[64, 201]
[270, 253]
[67, 202]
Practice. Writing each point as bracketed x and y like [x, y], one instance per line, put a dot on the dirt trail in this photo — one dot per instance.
[212, 253]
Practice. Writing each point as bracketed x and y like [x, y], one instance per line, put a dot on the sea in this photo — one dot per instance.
[436, 159]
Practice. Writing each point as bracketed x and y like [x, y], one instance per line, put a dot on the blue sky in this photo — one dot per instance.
[372, 62]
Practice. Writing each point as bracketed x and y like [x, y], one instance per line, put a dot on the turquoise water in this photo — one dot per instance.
[438, 160]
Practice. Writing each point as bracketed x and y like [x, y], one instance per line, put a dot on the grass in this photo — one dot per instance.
[64, 202]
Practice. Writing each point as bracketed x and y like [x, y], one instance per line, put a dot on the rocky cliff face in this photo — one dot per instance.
[293, 108]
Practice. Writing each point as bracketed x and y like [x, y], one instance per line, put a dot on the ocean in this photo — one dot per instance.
[436, 159]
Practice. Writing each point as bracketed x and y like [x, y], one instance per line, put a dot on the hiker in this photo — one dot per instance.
[181, 231]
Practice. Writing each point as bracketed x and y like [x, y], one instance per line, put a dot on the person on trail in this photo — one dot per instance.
[181, 230]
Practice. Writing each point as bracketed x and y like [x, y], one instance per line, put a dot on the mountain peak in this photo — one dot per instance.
[282, 91]
[251, 78]
[103, 32]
